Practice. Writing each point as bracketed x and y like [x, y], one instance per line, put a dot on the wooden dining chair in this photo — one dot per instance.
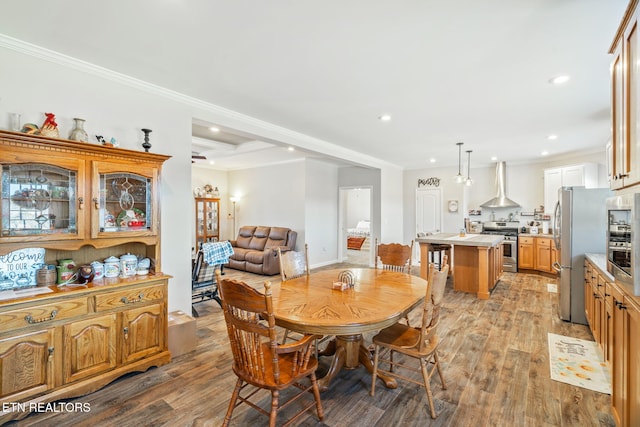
[415, 343]
[258, 360]
[295, 264]
[394, 256]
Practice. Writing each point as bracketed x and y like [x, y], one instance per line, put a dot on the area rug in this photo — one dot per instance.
[579, 363]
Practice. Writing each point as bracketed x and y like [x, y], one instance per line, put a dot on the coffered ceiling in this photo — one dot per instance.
[465, 70]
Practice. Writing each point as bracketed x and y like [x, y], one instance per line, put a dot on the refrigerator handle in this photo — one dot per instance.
[556, 225]
[557, 267]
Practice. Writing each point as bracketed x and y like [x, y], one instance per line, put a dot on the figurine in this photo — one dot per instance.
[49, 127]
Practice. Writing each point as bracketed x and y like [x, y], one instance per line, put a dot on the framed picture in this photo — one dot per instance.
[452, 205]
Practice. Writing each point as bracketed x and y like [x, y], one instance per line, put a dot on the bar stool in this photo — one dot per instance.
[437, 252]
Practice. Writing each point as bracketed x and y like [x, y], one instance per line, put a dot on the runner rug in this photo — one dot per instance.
[579, 363]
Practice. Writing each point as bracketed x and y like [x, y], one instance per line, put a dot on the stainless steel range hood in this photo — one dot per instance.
[501, 200]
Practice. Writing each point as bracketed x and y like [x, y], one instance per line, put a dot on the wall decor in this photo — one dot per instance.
[431, 182]
[452, 205]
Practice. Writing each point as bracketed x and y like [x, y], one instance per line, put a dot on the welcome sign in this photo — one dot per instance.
[18, 268]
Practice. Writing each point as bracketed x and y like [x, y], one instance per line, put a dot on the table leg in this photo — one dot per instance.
[329, 350]
[350, 353]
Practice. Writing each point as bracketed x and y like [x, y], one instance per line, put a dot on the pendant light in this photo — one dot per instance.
[468, 181]
[459, 177]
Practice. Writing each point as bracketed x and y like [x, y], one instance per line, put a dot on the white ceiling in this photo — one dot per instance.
[465, 70]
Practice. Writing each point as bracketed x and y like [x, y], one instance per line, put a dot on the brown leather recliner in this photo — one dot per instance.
[255, 248]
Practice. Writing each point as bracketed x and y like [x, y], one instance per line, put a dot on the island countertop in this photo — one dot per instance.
[488, 240]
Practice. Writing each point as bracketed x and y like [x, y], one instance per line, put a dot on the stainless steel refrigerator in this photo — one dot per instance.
[579, 227]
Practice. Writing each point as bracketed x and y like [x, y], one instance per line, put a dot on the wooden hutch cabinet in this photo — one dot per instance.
[84, 202]
[207, 220]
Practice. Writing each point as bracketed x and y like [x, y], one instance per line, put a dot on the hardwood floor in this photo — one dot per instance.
[494, 354]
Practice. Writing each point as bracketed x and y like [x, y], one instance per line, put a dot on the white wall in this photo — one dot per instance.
[358, 206]
[321, 213]
[271, 196]
[32, 86]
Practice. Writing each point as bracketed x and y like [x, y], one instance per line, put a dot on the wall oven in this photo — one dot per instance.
[623, 216]
[509, 229]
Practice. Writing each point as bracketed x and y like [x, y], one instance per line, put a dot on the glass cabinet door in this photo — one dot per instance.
[40, 200]
[125, 202]
[207, 220]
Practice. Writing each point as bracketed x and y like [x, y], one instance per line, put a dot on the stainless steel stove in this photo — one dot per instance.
[509, 229]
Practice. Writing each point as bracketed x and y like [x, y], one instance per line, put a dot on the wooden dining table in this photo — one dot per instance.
[377, 299]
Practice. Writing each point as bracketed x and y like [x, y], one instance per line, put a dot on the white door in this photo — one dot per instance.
[428, 210]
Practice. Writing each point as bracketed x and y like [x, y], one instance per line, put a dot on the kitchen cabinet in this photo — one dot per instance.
[207, 220]
[625, 92]
[536, 253]
[584, 174]
[83, 202]
[525, 253]
[615, 323]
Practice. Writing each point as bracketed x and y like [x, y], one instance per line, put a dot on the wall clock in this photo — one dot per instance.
[453, 206]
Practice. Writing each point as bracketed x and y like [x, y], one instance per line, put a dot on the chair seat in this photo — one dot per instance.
[285, 362]
[404, 339]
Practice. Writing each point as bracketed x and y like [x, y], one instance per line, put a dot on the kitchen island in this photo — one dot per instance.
[476, 260]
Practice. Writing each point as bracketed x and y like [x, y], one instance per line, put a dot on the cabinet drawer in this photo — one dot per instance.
[44, 313]
[543, 241]
[130, 297]
[525, 240]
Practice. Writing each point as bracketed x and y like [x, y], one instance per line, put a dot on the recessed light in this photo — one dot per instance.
[214, 129]
[384, 117]
[432, 160]
[544, 153]
[552, 137]
[212, 162]
[290, 149]
[494, 158]
[558, 80]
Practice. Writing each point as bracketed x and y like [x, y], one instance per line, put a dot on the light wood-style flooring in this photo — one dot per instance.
[494, 354]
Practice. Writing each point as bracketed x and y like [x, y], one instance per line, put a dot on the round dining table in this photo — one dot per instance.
[377, 299]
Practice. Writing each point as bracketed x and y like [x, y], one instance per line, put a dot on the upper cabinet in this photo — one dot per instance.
[65, 194]
[625, 108]
[584, 174]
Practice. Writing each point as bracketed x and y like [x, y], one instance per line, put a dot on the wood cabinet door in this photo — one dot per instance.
[89, 347]
[618, 137]
[43, 198]
[525, 256]
[542, 260]
[588, 295]
[124, 200]
[631, 87]
[618, 370]
[633, 361]
[26, 365]
[143, 332]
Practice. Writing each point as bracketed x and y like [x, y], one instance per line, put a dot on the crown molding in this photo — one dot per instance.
[279, 133]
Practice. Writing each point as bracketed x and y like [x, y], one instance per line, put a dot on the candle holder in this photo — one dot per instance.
[146, 144]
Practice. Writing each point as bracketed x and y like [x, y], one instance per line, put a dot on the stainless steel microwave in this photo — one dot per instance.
[623, 245]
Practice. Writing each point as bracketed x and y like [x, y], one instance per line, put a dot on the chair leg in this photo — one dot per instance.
[427, 386]
[286, 335]
[316, 396]
[437, 360]
[274, 408]
[390, 360]
[374, 374]
[232, 403]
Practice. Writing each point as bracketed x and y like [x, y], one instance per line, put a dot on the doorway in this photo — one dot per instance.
[355, 225]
